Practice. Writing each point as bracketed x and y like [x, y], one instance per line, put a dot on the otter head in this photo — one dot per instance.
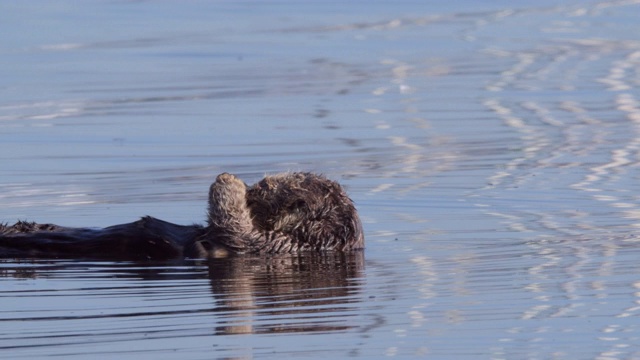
[309, 208]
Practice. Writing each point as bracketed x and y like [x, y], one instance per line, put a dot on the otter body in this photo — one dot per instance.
[284, 213]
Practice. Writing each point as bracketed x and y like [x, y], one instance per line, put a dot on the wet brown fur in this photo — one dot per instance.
[283, 213]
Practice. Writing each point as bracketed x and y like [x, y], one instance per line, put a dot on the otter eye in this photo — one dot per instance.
[298, 204]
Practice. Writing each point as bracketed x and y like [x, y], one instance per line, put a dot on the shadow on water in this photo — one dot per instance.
[236, 295]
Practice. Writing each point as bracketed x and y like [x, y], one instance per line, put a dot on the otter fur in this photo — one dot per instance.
[283, 213]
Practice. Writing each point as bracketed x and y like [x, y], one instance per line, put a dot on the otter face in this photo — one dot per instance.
[305, 206]
[278, 201]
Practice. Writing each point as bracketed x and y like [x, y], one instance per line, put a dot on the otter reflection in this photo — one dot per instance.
[284, 213]
[279, 293]
[286, 293]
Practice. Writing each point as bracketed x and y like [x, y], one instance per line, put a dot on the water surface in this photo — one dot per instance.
[491, 148]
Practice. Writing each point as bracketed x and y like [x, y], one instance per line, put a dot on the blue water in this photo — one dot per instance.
[491, 148]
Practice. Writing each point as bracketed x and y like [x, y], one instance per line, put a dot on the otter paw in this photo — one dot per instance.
[228, 188]
[227, 200]
[227, 178]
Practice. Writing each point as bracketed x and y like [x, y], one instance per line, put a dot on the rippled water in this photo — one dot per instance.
[492, 150]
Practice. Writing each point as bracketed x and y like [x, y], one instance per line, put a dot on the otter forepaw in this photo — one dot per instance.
[227, 201]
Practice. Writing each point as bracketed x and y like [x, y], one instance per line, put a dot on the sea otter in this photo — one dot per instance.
[283, 213]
